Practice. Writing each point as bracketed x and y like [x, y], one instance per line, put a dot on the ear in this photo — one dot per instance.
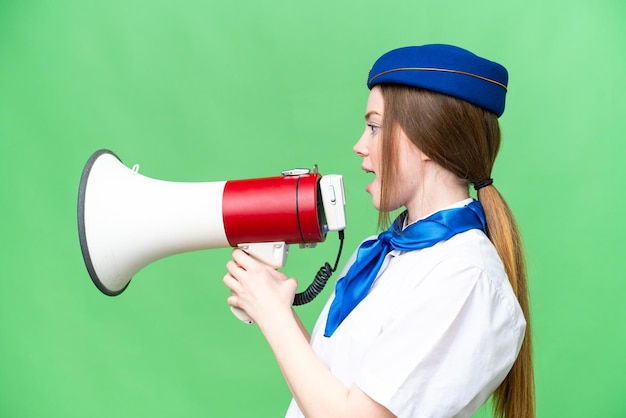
[423, 157]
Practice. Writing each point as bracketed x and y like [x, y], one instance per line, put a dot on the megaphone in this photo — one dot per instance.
[127, 221]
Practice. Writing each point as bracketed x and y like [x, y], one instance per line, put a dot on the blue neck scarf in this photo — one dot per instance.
[440, 226]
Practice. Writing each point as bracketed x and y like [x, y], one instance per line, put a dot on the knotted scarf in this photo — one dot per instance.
[440, 226]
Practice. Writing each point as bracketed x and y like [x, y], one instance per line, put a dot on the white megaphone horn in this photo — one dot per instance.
[127, 220]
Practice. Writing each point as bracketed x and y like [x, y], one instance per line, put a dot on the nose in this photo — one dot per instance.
[360, 148]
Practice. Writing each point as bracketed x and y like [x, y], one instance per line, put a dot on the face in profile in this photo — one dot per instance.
[409, 160]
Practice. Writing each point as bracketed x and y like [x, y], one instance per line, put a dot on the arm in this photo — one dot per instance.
[266, 295]
[305, 332]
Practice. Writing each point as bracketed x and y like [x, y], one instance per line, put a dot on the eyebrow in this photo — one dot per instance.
[370, 113]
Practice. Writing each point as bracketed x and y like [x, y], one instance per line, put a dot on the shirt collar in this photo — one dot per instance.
[458, 204]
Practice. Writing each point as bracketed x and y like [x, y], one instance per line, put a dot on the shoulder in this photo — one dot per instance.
[470, 253]
[466, 272]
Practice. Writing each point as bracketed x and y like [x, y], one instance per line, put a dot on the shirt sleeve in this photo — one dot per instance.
[447, 346]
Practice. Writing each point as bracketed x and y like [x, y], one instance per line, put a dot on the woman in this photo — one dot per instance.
[431, 317]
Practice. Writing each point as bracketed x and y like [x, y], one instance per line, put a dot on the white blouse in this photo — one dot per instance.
[436, 335]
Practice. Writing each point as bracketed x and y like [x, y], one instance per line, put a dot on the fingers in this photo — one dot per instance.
[243, 266]
[250, 280]
[232, 301]
[236, 273]
[231, 282]
[245, 260]
[234, 286]
[246, 265]
[234, 268]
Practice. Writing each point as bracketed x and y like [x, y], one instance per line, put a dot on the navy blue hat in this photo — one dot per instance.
[445, 69]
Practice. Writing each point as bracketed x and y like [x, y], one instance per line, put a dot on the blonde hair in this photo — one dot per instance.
[464, 139]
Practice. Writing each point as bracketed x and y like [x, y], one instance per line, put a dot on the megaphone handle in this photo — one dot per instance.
[241, 315]
[274, 254]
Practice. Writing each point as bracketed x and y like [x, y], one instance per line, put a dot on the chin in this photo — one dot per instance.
[376, 203]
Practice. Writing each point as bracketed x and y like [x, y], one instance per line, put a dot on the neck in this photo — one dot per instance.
[440, 190]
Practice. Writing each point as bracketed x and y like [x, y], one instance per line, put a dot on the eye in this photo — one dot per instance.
[373, 128]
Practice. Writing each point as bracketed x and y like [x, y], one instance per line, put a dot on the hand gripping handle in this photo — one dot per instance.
[274, 254]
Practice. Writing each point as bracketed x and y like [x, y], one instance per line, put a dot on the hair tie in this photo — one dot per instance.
[482, 184]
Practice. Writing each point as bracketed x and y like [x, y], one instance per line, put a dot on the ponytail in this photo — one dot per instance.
[515, 397]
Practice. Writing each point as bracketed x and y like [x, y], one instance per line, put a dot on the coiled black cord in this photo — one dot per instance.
[320, 280]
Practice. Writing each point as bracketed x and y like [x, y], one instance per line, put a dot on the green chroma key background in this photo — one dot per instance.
[216, 90]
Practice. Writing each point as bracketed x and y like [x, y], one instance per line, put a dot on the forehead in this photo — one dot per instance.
[375, 101]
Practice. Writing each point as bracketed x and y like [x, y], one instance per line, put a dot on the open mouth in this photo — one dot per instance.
[368, 171]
